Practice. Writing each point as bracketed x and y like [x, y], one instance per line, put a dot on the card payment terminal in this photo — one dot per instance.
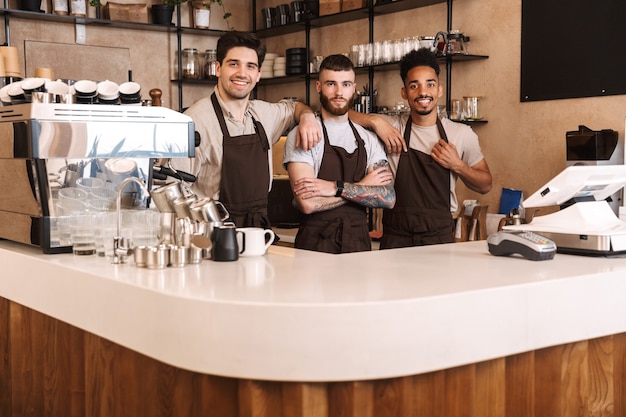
[528, 244]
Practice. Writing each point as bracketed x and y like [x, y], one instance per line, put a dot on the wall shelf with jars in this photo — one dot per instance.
[177, 29]
[369, 13]
[57, 18]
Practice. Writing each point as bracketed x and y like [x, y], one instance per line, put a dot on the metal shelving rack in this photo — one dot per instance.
[370, 13]
[116, 24]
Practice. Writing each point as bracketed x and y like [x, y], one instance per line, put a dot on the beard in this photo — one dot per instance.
[421, 110]
[424, 112]
[335, 111]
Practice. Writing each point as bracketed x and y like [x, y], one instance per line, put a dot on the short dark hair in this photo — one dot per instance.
[422, 57]
[337, 62]
[234, 39]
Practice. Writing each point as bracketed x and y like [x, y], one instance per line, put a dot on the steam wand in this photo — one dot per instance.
[122, 247]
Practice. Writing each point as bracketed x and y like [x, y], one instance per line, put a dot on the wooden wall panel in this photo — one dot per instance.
[215, 396]
[351, 399]
[519, 385]
[260, 398]
[547, 373]
[27, 348]
[49, 368]
[429, 394]
[459, 391]
[489, 400]
[619, 372]
[305, 400]
[394, 397]
[64, 369]
[5, 356]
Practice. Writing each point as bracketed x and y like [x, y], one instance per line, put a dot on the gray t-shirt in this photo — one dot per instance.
[339, 134]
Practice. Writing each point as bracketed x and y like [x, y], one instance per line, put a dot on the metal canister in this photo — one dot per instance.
[179, 256]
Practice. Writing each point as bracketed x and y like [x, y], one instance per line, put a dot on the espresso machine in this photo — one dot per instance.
[46, 147]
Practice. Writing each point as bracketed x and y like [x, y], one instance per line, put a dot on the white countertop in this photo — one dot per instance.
[303, 316]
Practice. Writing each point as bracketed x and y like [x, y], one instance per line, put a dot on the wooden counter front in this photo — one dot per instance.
[70, 361]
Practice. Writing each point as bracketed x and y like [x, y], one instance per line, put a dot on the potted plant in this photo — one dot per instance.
[98, 5]
[201, 13]
[162, 13]
[30, 5]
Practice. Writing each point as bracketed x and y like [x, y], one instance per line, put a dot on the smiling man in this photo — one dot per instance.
[435, 154]
[336, 180]
[233, 163]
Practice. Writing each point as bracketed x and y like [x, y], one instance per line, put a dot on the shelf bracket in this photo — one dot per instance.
[81, 33]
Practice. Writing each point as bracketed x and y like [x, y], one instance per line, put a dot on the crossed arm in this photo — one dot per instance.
[313, 194]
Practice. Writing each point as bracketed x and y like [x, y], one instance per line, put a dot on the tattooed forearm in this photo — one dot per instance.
[328, 204]
[370, 195]
[373, 190]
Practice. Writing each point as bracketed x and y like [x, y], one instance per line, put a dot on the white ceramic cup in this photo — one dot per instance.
[254, 241]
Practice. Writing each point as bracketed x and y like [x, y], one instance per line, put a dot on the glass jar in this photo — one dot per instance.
[78, 8]
[191, 64]
[201, 15]
[210, 60]
[471, 108]
[61, 7]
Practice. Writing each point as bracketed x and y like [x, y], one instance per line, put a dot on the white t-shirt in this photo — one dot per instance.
[339, 134]
[424, 139]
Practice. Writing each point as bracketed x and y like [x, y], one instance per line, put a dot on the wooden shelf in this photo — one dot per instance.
[344, 17]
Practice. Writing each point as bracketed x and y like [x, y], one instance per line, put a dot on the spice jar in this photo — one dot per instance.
[210, 60]
[191, 64]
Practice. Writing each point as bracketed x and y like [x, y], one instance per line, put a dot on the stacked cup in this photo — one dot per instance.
[35, 90]
[130, 93]
[108, 92]
[267, 69]
[280, 65]
[86, 91]
[296, 61]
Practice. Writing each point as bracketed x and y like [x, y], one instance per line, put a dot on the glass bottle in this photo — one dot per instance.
[191, 64]
[210, 60]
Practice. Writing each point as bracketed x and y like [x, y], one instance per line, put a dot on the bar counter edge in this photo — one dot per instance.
[301, 316]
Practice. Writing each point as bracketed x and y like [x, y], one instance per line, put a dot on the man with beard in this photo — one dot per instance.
[336, 180]
[432, 154]
[233, 163]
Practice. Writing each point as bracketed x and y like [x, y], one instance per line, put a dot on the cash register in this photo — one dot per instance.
[584, 224]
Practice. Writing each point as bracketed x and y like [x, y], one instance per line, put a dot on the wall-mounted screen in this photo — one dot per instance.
[573, 48]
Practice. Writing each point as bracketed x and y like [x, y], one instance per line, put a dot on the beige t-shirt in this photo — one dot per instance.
[277, 119]
[424, 139]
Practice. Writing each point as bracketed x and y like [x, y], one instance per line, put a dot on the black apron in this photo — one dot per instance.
[345, 228]
[421, 215]
[245, 174]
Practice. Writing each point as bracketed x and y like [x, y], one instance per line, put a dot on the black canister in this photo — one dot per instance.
[297, 11]
[296, 61]
[282, 14]
[269, 17]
